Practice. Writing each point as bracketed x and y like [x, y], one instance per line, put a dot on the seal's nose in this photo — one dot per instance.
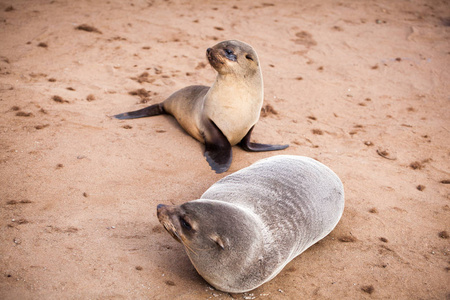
[159, 210]
[208, 50]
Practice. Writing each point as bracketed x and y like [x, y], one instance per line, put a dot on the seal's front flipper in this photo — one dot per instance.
[218, 151]
[255, 147]
[153, 110]
[219, 159]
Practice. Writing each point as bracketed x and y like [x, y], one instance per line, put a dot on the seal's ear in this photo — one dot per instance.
[218, 240]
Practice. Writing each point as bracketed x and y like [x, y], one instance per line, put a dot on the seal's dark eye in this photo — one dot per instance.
[185, 224]
[248, 57]
[230, 54]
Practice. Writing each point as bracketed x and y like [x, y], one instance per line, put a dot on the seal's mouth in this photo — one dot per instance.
[213, 58]
[172, 231]
[164, 219]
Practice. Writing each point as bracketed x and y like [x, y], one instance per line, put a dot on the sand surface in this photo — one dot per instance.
[362, 86]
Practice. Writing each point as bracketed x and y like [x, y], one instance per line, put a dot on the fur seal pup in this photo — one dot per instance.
[224, 114]
[247, 226]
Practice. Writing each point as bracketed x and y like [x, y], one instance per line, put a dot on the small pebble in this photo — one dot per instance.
[443, 235]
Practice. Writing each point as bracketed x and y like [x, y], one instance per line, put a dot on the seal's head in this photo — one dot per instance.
[223, 242]
[233, 57]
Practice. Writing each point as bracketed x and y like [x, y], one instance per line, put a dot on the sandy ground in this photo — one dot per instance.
[362, 86]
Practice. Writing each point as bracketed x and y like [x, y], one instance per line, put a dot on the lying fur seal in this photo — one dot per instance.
[247, 226]
[224, 114]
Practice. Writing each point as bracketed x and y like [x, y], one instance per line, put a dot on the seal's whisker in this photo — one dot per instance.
[186, 244]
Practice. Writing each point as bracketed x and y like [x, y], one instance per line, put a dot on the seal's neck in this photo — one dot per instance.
[231, 84]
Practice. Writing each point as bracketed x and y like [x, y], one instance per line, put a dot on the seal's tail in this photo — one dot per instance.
[153, 110]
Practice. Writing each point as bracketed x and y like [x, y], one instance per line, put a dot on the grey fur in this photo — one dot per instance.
[250, 224]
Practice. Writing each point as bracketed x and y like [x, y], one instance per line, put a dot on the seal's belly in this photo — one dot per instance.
[235, 118]
[233, 124]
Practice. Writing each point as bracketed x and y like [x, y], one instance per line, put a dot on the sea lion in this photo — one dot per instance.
[247, 226]
[224, 114]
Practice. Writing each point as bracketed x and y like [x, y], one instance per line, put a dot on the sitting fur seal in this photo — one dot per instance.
[224, 114]
[247, 226]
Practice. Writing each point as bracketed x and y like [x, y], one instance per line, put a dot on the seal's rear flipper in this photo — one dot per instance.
[255, 147]
[218, 151]
[153, 110]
